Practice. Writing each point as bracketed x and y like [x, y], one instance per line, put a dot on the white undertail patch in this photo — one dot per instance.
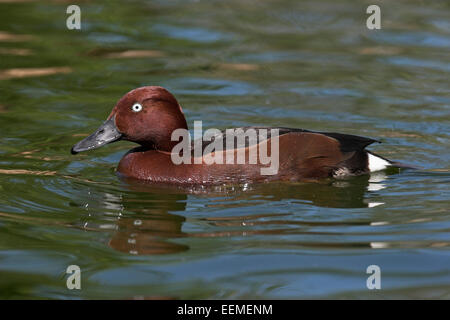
[377, 163]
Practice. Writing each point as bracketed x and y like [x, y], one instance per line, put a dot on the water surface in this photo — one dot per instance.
[311, 65]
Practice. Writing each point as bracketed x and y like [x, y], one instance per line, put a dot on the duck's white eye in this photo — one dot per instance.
[136, 107]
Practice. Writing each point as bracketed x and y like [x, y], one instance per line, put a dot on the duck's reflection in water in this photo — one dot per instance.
[154, 227]
[148, 231]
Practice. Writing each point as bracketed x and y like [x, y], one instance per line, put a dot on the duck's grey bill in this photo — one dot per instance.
[107, 133]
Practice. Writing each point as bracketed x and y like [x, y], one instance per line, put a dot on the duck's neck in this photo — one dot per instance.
[161, 138]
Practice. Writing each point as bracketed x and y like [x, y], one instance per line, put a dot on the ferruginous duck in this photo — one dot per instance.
[152, 117]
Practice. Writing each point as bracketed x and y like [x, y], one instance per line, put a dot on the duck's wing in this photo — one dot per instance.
[243, 137]
[252, 135]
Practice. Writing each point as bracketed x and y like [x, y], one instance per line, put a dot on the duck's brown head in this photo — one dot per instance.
[146, 115]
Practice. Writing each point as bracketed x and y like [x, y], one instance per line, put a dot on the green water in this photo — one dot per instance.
[311, 65]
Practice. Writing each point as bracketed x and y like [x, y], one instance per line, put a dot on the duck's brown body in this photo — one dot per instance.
[149, 116]
[302, 156]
